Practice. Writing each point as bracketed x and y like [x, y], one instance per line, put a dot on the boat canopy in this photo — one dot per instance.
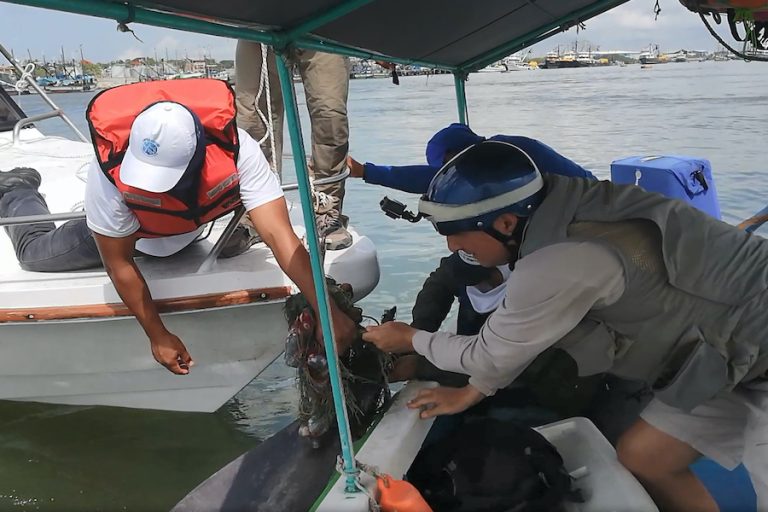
[454, 35]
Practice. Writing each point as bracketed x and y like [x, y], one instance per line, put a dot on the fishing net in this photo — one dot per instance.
[363, 368]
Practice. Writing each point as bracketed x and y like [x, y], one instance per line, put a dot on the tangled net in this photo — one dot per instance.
[363, 368]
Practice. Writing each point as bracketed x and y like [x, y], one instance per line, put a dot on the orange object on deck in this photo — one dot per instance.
[399, 496]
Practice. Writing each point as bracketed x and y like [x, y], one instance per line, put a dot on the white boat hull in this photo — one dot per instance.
[108, 362]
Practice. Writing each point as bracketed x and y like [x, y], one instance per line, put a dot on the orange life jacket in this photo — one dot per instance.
[197, 199]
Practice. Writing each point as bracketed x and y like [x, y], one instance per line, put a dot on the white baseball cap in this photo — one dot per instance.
[162, 143]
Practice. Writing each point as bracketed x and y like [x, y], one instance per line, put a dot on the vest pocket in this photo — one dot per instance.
[694, 373]
[592, 345]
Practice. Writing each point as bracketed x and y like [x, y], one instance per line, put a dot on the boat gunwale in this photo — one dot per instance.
[172, 305]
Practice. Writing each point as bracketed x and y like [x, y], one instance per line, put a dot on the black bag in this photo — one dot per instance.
[487, 465]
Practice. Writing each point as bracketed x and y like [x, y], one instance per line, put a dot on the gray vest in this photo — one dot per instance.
[693, 320]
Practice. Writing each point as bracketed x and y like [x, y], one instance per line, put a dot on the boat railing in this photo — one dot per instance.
[213, 255]
[58, 217]
[27, 76]
[21, 123]
[37, 219]
[215, 251]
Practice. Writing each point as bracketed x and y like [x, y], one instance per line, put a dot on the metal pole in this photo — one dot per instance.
[210, 259]
[57, 217]
[318, 20]
[461, 96]
[30, 120]
[39, 219]
[302, 176]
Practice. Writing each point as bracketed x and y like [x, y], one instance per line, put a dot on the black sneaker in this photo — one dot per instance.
[19, 177]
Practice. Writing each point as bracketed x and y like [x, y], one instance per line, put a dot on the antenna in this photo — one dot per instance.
[82, 63]
[63, 62]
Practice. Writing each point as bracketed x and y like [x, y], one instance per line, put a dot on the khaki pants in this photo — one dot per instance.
[326, 87]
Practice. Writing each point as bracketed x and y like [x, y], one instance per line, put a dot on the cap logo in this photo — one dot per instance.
[149, 147]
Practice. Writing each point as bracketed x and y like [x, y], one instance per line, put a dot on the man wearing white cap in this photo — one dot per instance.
[168, 182]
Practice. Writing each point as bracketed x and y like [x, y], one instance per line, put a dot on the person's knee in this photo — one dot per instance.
[634, 454]
[331, 131]
[651, 454]
[329, 115]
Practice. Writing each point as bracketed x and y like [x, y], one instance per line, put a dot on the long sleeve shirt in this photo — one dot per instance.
[435, 299]
[548, 294]
[416, 178]
[449, 280]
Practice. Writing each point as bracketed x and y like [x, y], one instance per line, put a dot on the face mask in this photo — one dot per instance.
[468, 258]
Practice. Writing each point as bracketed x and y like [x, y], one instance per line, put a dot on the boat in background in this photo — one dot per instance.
[678, 56]
[68, 339]
[652, 55]
[571, 59]
[496, 67]
[517, 61]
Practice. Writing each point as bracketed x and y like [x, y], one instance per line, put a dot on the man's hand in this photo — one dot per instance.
[396, 337]
[273, 224]
[404, 368]
[386, 65]
[344, 329]
[170, 352]
[356, 169]
[442, 400]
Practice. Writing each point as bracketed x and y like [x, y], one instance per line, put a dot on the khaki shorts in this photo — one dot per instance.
[730, 430]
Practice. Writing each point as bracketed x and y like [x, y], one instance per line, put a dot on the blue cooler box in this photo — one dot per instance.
[679, 177]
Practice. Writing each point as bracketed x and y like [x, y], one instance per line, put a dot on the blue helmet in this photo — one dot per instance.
[476, 186]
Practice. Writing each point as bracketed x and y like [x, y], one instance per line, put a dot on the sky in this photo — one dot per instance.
[42, 33]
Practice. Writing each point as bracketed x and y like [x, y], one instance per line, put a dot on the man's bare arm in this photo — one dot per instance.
[274, 226]
[117, 256]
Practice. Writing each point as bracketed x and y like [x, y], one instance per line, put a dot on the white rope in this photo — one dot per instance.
[270, 126]
[373, 471]
[27, 72]
[82, 172]
[267, 120]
